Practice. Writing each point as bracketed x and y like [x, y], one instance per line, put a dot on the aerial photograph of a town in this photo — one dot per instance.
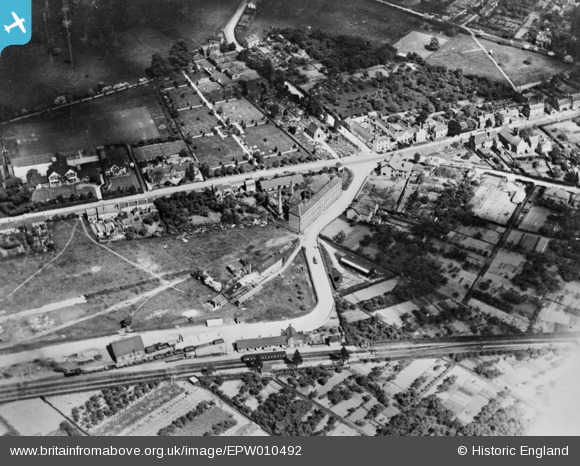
[290, 218]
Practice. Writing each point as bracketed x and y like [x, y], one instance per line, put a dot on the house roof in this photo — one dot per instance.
[35, 178]
[304, 207]
[319, 183]
[116, 155]
[274, 183]
[261, 342]
[400, 165]
[510, 137]
[481, 138]
[127, 346]
[557, 193]
[312, 128]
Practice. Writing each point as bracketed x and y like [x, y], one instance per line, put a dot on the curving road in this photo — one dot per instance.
[229, 29]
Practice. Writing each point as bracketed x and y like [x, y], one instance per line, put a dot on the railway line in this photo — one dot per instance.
[435, 347]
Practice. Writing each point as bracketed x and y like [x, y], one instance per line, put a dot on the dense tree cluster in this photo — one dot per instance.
[176, 209]
[282, 413]
[372, 330]
[15, 198]
[430, 417]
[340, 53]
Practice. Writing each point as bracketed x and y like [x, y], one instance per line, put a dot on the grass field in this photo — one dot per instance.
[463, 52]
[127, 116]
[267, 138]
[416, 42]
[210, 251]
[85, 268]
[82, 268]
[364, 18]
[287, 296]
[111, 43]
[525, 66]
[214, 149]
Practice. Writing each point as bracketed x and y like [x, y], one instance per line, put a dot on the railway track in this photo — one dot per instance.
[400, 349]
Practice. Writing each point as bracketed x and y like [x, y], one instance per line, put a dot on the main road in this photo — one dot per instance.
[360, 164]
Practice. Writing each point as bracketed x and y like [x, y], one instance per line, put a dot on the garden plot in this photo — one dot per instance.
[409, 374]
[372, 291]
[467, 395]
[494, 200]
[267, 139]
[512, 319]
[392, 315]
[240, 111]
[198, 121]
[31, 417]
[185, 98]
[535, 219]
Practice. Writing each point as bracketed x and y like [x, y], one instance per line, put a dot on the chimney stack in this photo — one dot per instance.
[280, 210]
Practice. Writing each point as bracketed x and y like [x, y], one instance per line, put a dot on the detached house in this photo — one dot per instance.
[115, 161]
[418, 133]
[534, 108]
[481, 141]
[399, 133]
[315, 132]
[512, 142]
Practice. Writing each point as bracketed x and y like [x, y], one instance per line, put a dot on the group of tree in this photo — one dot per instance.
[339, 53]
[182, 421]
[283, 414]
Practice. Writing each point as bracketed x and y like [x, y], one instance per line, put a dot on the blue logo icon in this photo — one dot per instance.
[15, 22]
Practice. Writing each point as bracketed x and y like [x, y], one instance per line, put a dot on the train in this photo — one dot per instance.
[272, 356]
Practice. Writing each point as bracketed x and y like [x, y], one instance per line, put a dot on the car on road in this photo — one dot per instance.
[314, 260]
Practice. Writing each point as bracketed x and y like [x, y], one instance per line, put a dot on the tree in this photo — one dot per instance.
[344, 354]
[417, 157]
[297, 358]
[159, 67]
[258, 364]
[434, 44]
[454, 128]
[127, 321]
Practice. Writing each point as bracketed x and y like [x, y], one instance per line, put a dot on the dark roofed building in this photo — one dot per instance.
[284, 182]
[261, 343]
[315, 132]
[128, 350]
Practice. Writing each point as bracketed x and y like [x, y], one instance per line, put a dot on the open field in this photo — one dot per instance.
[211, 251]
[126, 116]
[525, 66]
[82, 268]
[109, 44]
[416, 42]
[213, 150]
[289, 295]
[366, 18]
[31, 417]
[463, 52]
[267, 138]
[151, 304]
